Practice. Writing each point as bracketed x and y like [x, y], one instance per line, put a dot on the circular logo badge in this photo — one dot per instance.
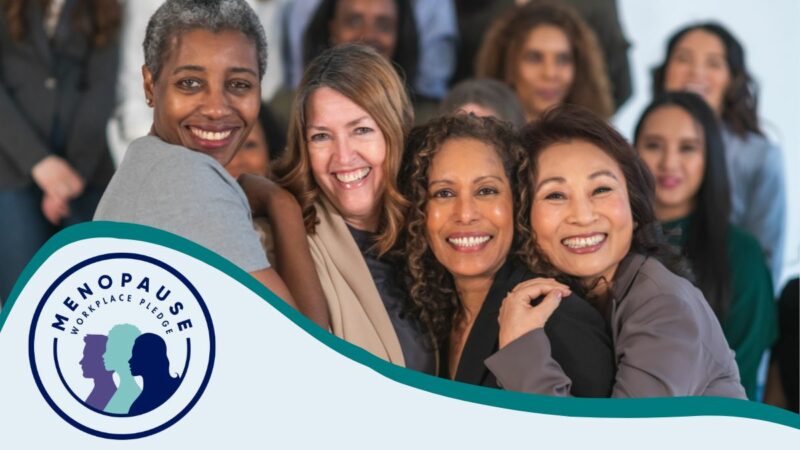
[121, 346]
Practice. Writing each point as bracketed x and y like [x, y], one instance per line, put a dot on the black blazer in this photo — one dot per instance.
[55, 98]
[579, 337]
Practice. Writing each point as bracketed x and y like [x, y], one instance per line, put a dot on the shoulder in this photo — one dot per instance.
[656, 288]
[176, 168]
[742, 244]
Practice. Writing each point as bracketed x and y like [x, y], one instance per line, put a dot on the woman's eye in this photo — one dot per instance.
[533, 57]
[363, 130]
[240, 85]
[555, 196]
[688, 149]
[652, 145]
[317, 137]
[564, 59]
[601, 190]
[487, 191]
[189, 83]
[443, 193]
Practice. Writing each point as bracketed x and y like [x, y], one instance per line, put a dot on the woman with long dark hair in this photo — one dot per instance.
[707, 59]
[678, 138]
[58, 69]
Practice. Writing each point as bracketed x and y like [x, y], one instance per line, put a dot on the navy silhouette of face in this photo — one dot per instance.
[149, 360]
[149, 356]
[92, 361]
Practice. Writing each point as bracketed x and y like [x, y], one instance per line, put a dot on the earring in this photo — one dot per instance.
[149, 101]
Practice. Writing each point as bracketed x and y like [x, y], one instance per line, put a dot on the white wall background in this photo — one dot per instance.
[770, 33]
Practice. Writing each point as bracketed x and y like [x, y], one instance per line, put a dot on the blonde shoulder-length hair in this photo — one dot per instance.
[500, 51]
[359, 73]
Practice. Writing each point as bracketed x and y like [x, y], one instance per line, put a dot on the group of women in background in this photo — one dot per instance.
[515, 240]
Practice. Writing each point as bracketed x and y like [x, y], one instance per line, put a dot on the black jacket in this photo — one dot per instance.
[579, 337]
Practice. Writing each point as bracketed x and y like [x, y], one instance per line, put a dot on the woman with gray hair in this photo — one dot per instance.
[203, 64]
[485, 98]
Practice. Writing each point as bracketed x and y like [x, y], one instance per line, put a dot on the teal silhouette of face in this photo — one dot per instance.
[119, 347]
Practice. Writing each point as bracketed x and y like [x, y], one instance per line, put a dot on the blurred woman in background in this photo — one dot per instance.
[678, 138]
[707, 59]
[58, 68]
[484, 98]
[548, 55]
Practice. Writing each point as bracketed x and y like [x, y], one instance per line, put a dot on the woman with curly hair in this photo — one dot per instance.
[460, 174]
[592, 226]
[548, 55]
[707, 59]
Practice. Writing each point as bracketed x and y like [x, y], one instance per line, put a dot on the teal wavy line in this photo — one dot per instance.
[573, 407]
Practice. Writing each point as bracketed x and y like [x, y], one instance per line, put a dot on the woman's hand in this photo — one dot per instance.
[266, 197]
[56, 178]
[54, 209]
[517, 315]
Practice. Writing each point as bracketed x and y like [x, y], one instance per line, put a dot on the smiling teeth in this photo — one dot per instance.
[349, 177]
[584, 242]
[211, 135]
[468, 241]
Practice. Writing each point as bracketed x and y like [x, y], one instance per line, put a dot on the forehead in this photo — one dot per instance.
[326, 106]
[212, 50]
[575, 160]
[701, 41]
[672, 121]
[547, 37]
[466, 157]
[367, 7]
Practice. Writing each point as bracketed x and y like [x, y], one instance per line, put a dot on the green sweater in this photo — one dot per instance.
[750, 324]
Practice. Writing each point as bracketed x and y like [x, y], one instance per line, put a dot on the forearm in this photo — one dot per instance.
[293, 257]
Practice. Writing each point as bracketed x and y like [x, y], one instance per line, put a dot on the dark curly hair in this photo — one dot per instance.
[430, 285]
[565, 123]
[740, 101]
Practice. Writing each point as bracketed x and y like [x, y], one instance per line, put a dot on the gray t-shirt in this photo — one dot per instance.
[187, 193]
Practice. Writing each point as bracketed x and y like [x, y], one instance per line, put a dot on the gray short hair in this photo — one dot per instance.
[177, 16]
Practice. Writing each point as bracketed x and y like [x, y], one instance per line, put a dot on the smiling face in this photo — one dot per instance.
[470, 211]
[698, 64]
[671, 144]
[581, 215]
[545, 70]
[207, 95]
[372, 22]
[347, 151]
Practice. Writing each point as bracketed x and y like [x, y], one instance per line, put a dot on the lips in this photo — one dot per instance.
[669, 181]
[469, 242]
[550, 95]
[352, 179]
[212, 138]
[586, 243]
[698, 88]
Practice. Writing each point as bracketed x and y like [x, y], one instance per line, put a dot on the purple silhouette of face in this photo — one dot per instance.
[92, 361]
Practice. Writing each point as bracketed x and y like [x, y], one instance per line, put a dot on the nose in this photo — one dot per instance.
[216, 104]
[465, 209]
[581, 211]
[549, 68]
[344, 152]
[670, 159]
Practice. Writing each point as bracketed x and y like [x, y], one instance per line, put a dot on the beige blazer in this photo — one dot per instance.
[357, 311]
